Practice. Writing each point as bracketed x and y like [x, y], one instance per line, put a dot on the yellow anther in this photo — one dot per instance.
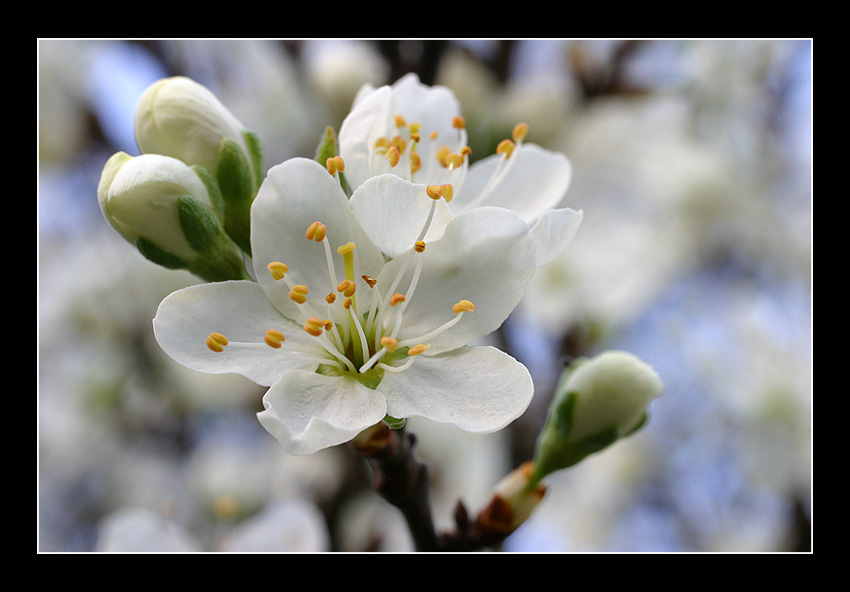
[397, 299]
[419, 246]
[442, 153]
[335, 165]
[216, 342]
[520, 132]
[465, 151]
[463, 306]
[399, 121]
[314, 326]
[277, 269]
[393, 155]
[316, 231]
[347, 287]
[505, 147]
[382, 143]
[346, 303]
[274, 338]
[458, 122]
[368, 279]
[417, 349]
[330, 298]
[299, 294]
[454, 160]
[328, 325]
[433, 135]
[399, 143]
[415, 162]
[447, 192]
[345, 249]
[434, 191]
[389, 343]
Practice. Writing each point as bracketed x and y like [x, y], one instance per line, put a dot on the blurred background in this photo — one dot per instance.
[693, 164]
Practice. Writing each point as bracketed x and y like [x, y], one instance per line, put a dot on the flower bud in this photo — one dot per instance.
[597, 401]
[514, 499]
[168, 210]
[180, 118]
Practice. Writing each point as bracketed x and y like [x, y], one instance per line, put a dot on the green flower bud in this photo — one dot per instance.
[597, 402]
[180, 118]
[168, 211]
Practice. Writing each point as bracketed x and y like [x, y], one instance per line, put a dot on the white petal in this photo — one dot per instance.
[306, 411]
[553, 231]
[294, 195]
[530, 182]
[479, 389]
[487, 256]
[360, 129]
[393, 212]
[241, 312]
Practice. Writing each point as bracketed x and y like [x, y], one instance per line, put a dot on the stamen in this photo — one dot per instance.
[389, 343]
[435, 192]
[458, 122]
[314, 326]
[335, 165]
[459, 308]
[278, 269]
[274, 338]
[505, 147]
[433, 135]
[368, 279]
[396, 299]
[347, 287]
[519, 133]
[299, 294]
[463, 306]
[216, 342]
[393, 155]
[399, 121]
[316, 231]
[419, 246]
[417, 349]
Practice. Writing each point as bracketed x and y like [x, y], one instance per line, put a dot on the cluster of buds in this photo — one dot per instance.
[185, 201]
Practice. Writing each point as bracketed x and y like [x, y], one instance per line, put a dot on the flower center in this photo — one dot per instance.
[358, 332]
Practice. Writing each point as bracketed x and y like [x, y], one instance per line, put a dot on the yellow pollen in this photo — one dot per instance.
[299, 294]
[393, 155]
[328, 325]
[277, 269]
[316, 231]
[274, 338]
[314, 326]
[389, 343]
[433, 135]
[454, 160]
[368, 279]
[345, 249]
[397, 299]
[330, 298]
[463, 306]
[505, 147]
[447, 191]
[419, 246]
[458, 122]
[216, 342]
[347, 287]
[519, 132]
[417, 349]
[347, 303]
[435, 192]
[399, 121]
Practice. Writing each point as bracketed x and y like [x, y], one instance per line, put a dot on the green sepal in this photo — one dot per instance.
[394, 423]
[198, 223]
[237, 183]
[255, 148]
[213, 189]
[327, 147]
[153, 253]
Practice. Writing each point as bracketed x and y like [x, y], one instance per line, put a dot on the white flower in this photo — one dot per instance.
[417, 132]
[353, 319]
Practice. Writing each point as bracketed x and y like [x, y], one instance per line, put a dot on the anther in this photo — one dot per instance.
[417, 349]
[277, 269]
[454, 160]
[463, 306]
[330, 298]
[519, 132]
[368, 279]
[389, 343]
[316, 231]
[299, 294]
[419, 246]
[442, 153]
[435, 192]
[335, 165]
[397, 299]
[346, 303]
[447, 191]
[216, 342]
[505, 147]
[314, 326]
[393, 155]
[458, 122]
[415, 162]
[347, 287]
[274, 338]
[433, 135]
[399, 121]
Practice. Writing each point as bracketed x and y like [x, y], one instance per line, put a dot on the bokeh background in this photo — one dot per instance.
[693, 165]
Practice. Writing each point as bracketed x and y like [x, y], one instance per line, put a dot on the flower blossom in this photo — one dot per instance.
[417, 132]
[356, 314]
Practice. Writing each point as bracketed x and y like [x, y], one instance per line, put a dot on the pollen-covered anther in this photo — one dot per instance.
[505, 147]
[435, 192]
[274, 338]
[415, 162]
[316, 231]
[299, 294]
[346, 303]
[393, 156]
[418, 349]
[335, 164]
[419, 246]
[458, 122]
[454, 160]
[520, 131]
[368, 279]
[399, 143]
[347, 287]
[216, 342]
[397, 299]
[278, 269]
[389, 343]
[442, 153]
[447, 191]
[314, 326]
[399, 121]
[463, 306]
